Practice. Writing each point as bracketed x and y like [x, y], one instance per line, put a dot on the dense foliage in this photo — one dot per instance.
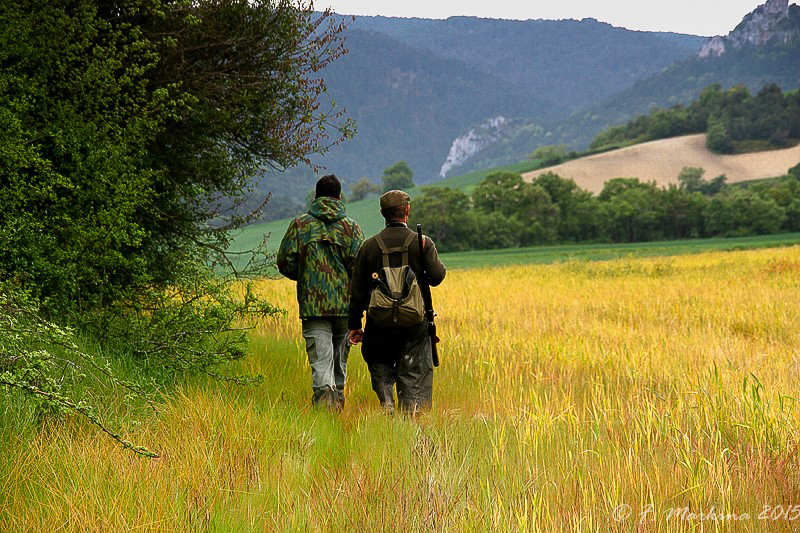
[504, 211]
[363, 188]
[734, 120]
[680, 83]
[131, 129]
[398, 176]
[45, 361]
[125, 122]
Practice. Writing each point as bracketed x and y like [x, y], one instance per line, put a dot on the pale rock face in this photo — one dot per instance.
[780, 7]
[714, 47]
[473, 141]
[756, 29]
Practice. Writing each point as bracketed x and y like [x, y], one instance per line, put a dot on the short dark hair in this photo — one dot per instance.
[392, 214]
[329, 186]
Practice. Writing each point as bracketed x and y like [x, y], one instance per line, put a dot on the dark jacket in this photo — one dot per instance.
[370, 259]
[319, 251]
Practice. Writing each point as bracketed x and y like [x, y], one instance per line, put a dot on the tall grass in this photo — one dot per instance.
[565, 392]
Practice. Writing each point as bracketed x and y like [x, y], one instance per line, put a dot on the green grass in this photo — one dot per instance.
[603, 252]
[565, 392]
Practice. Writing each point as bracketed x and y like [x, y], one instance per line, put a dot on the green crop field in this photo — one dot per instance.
[602, 252]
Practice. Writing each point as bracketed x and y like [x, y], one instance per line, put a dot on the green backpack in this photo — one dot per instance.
[395, 300]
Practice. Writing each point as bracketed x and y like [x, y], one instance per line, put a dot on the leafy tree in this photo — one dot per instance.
[633, 210]
[126, 124]
[539, 216]
[691, 179]
[549, 155]
[786, 194]
[363, 188]
[613, 136]
[683, 212]
[495, 230]
[794, 172]
[578, 219]
[130, 131]
[718, 138]
[398, 176]
[743, 212]
[507, 194]
[661, 125]
[501, 192]
[715, 186]
[445, 215]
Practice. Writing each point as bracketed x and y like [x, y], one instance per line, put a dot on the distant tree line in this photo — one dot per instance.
[734, 120]
[397, 176]
[505, 212]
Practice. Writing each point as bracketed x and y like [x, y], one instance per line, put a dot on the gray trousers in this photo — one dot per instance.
[327, 348]
[401, 358]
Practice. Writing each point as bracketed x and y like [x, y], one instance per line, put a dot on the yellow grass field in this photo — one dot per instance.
[630, 395]
[661, 161]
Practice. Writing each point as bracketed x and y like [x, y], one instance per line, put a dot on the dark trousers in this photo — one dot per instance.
[400, 357]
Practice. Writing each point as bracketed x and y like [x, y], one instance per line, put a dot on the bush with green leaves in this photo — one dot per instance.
[130, 132]
[131, 129]
[363, 188]
[551, 154]
[196, 326]
[44, 362]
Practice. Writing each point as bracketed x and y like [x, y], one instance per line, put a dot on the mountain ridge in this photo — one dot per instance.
[423, 90]
[775, 20]
[412, 102]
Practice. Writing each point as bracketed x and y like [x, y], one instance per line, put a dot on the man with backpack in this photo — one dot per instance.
[319, 252]
[396, 346]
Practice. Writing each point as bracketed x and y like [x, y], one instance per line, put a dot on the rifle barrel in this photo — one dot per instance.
[427, 300]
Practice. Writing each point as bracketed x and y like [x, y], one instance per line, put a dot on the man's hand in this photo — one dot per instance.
[355, 335]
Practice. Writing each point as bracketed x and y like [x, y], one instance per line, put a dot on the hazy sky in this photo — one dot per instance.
[698, 17]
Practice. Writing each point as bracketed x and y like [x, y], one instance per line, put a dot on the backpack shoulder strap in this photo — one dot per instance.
[406, 244]
[386, 251]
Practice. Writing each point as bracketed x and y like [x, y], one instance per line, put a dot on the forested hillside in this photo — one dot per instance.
[423, 91]
[763, 49]
[735, 121]
[414, 86]
[572, 63]
[751, 66]
[410, 104]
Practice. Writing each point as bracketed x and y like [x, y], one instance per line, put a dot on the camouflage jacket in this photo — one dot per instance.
[319, 252]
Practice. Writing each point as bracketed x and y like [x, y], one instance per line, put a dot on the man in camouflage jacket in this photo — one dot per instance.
[318, 252]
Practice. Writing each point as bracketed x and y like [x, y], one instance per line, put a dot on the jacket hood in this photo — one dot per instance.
[327, 209]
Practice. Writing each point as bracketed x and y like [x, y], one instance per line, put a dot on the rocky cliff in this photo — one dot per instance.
[773, 22]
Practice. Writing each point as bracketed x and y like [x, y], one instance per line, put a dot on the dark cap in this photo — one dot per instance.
[394, 199]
